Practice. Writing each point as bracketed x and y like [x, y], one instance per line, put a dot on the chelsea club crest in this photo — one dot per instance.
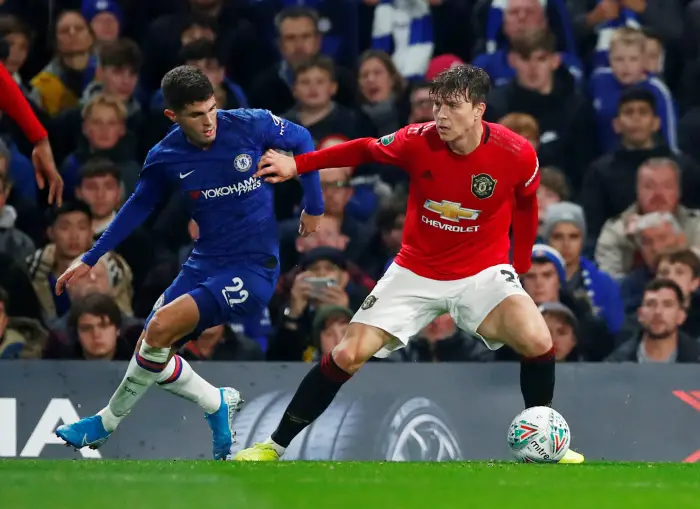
[243, 162]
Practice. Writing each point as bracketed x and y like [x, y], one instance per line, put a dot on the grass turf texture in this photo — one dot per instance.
[30, 484]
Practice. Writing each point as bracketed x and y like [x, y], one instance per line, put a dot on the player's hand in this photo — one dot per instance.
[335, 296]
[309, 224]
[73, 273]
[300, 294]
[45, 170]
[275, 167]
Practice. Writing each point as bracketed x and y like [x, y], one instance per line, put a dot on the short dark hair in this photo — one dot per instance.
[99, 167]
[10, 24]
[295, 12]
[318, 62]
[461, 82]
[68, 207]
[665, 284]
[4, 181]
[637, 94]
[4, 297]
[201, 49]
[199, 20]
[96, 304]
[388, 213]
[185, 85]
[121, 54]
[683, 256]
[554, 179]
[540, 40]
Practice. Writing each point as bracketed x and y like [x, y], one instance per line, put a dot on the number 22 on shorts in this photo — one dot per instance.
[235, 294]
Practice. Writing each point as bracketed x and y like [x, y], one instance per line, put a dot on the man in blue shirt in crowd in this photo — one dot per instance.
[210, 156]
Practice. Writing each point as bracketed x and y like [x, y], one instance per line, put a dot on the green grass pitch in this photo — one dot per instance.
[87, 484]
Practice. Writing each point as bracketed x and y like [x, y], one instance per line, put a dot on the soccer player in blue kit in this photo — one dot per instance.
[211, 155]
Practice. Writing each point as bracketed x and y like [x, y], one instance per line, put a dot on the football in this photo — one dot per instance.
[539, 435]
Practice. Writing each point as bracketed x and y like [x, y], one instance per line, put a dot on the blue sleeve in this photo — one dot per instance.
[613, 309]
[666, 110]
[285, 135]
[137, 208]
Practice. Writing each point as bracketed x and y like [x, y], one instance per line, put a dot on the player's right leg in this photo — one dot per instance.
[379, 327]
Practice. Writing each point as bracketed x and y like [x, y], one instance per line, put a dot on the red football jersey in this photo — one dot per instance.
[460, 208]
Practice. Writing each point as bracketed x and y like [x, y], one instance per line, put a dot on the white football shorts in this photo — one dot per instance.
[403, 302]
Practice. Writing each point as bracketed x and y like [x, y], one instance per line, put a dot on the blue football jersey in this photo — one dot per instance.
[233, 209]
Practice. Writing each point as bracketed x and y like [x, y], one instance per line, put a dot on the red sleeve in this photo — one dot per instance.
[525, 220]
[390, 149]
[13, 103]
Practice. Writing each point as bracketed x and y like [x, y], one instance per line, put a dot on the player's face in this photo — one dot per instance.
[314, 88]
[679, 273]
[660, 313]
[656, 239]
[98, 336]
[103, 128]
[72, 234]
[627, 63]
[298, 40]
[522, 16]
[19, 49]
[562, 334]
[568, 240]
[197, 121]
[119, 81]
[97, 281]
[636, 123]
[658, 189]
[456, 117]
[375, 81]
[102, 193]
[542, 283]
[537, 71]
[333, 333]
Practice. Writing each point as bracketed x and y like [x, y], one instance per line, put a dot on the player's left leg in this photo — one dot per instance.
[504, 311]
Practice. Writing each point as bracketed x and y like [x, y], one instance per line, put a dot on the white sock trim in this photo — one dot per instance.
[277, 447]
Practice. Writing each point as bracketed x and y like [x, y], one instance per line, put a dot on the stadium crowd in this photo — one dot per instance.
[607, 91]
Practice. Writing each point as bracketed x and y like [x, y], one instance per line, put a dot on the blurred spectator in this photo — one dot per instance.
[442, 341]
[105, 18]
[293, 343]
[19, 37]
[522, 17]
[228, 23]
[609, 184]
[565, 230]
[404, 30]
[553, 189]
[658, 190]
[682, 266]
[20, 338]
[627, 69]
[562, 325]
[387, 241]
[60, 84]
[689, 133]
[28, 219]
[100, 187]
[441, 63]
[525, 125]
[660, 339]
[654, 54]
[298, 39]
[104, 136]
[13, 241]
[117, 76]
[421, 103]
[655, 233]
[564, 114]
[544, 282]
[382, 92]
[221, 343]
[95, 332]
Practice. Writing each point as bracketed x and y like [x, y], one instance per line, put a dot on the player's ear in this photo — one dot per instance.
[479, 110]
[170, 114]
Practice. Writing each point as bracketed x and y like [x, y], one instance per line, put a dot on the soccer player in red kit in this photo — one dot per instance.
[470, 182]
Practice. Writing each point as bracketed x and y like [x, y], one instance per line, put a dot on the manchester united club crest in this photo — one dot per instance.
[243, 162]
[369, 302]
[483, 185]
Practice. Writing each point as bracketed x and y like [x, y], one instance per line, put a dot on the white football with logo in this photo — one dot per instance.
[539, 435]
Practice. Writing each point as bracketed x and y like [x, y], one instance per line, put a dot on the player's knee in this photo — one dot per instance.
[158, 330]
[348, 359]
[536, 342]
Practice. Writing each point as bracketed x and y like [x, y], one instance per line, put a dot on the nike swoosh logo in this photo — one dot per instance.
[183, 175]
[85, 442]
